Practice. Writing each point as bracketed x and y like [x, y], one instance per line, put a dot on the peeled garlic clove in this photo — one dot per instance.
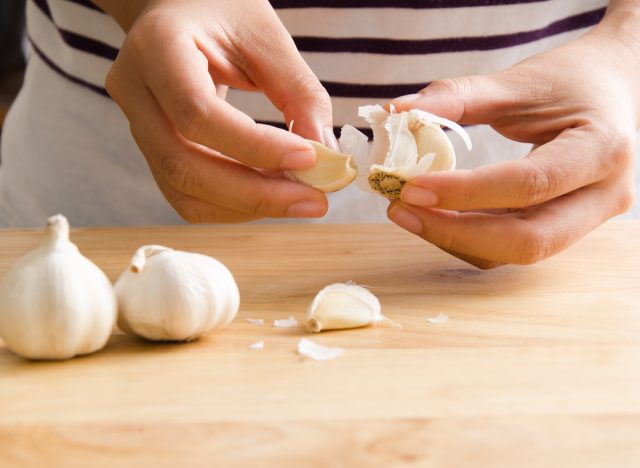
[55, 303]
[340, 306]
[170, 295]
[406, 145]
[332, 172]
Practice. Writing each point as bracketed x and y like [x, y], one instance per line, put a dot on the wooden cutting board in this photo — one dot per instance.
[536, 366]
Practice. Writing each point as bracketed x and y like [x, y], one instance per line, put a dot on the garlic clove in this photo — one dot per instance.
[332, 172]
[432, 140]
[341, 306]
[170, 295]
[55, 303]
[406, 145]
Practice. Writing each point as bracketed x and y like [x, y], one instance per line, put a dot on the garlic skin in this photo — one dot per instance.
[169, 295]
[333, 171]
[343, 305]
[406, 145]
[55, 303]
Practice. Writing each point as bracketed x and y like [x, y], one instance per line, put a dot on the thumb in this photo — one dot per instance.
[469, 100]
[281, 73]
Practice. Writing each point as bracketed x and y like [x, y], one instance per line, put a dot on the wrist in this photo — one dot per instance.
[124, 12]
[619, 35]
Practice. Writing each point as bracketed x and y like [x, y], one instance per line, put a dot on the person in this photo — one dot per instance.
[560, 75]
[11, 53]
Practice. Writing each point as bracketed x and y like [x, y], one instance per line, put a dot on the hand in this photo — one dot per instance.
[578, 105]
[212, 162]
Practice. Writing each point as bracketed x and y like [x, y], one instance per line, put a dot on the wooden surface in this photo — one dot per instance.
[537, 366]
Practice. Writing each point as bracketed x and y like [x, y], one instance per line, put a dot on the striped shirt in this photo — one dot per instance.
[83, 161]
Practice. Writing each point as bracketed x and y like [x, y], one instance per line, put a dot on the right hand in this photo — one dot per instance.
[213, 163]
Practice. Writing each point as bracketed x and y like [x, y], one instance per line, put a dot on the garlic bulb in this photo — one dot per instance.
[171, 295]
[340, 306]
[55, 303]
[332, 172]
[405, 145]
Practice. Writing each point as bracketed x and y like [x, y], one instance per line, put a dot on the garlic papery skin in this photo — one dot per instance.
[343, 305]
[332, 172]
[55, 303]
[406, 145]
[170, 295]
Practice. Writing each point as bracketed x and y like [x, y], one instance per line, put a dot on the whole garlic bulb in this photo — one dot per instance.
[170, 295]
[343, 305]
[405, 145]
[55, 303]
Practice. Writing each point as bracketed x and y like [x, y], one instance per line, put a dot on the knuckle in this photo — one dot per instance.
[185, 213]
[624, 150]
[468, 191]
[626, 200]
[448, 85]
[190, 117]
[488, 265]
[536, 187]
[616, 141]
[256, 149]
[456, 87]
[537, 245]
[449, 240]
[317, 93]
[192, 213]
[177, 173]
[112, 81]
[257, 204]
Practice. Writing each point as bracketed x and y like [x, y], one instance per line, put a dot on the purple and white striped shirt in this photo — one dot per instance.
[363, 51]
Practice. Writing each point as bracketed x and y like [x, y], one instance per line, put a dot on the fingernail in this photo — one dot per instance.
[405, 219]
[298, 160]
[330, 140]
[407, 98]
[418, 196]
[306, 209]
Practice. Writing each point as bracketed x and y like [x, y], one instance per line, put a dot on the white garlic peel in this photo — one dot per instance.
[343, 305]
[170, 295]
[332, 172]
[406, 145]
[55, 303]
[316, 351]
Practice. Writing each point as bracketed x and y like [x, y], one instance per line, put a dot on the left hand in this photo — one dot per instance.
[578, 105]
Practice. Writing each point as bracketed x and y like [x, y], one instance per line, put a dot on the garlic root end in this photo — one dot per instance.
[313, 325]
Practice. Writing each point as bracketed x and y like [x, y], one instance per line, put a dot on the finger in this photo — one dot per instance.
[477, 262]
[196, 211]
[195, 171]
[537, 234]
[576, 158]
[469, 100]
[281, 73]
[179, 80]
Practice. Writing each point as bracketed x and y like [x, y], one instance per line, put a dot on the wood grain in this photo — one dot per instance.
[537, 366]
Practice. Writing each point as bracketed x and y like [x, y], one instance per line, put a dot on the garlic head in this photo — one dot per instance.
[406, 145]
[341, 306]
[332, 172]
[169, 295]
[55, 303]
